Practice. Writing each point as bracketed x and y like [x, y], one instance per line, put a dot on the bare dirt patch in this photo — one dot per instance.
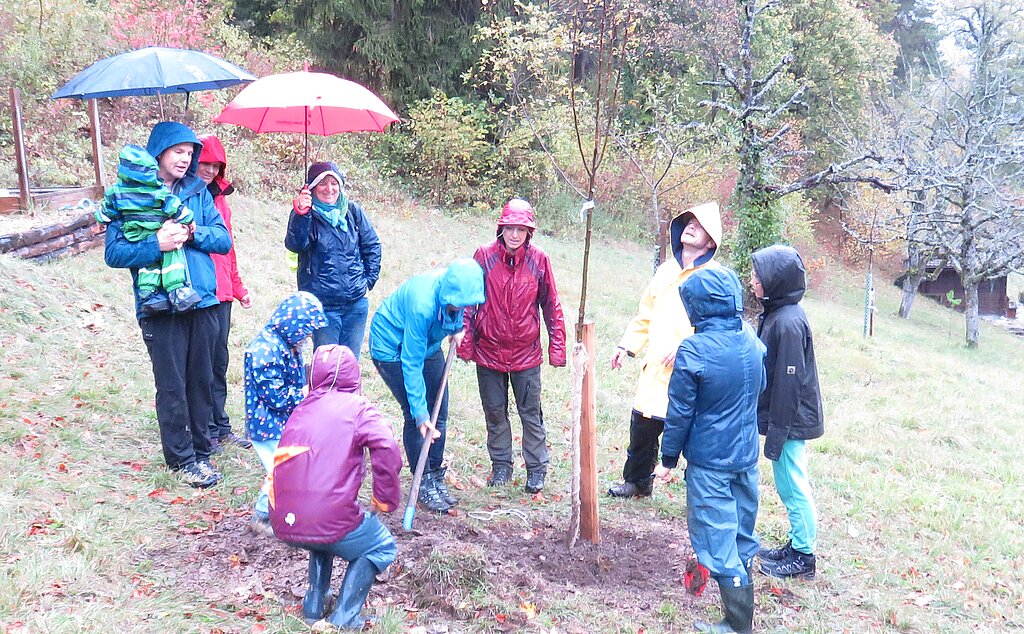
[457, 572]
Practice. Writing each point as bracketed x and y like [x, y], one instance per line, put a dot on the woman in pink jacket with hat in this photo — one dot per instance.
[503, 339]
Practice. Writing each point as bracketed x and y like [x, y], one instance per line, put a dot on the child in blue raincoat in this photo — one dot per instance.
[712, 422]
[274, 379]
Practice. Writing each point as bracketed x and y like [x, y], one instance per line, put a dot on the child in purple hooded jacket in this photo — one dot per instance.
[319, 468]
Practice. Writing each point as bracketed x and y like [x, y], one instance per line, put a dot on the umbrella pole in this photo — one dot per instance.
[305, 138]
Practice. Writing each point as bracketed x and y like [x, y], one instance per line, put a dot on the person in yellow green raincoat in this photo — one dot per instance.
[658, 328]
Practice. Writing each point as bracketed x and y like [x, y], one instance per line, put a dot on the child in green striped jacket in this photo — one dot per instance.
[142, 202]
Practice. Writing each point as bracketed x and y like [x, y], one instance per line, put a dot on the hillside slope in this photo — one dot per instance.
[919, 485]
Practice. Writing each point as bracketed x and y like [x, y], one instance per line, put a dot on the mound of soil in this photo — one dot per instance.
[516, 561]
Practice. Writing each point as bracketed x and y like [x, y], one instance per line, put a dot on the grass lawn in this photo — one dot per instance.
[919, 485]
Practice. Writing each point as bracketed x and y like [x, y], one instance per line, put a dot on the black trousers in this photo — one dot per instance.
[181, 351]
[642, 453]
[221, 424]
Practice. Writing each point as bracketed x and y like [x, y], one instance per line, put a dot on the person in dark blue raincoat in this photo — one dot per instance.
[338, 254]
[180, 344]
[712, 422]
[405, 344]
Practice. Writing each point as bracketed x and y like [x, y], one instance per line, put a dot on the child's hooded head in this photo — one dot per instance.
[297, 317]
[334, 367]
[712, 292]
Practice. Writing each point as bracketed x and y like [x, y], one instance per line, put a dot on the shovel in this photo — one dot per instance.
[421, 462]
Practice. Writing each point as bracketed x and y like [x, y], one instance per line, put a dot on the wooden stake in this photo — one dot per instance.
[590, 528]
[25, 190]
[97, 145]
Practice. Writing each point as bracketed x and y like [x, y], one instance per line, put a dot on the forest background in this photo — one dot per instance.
[504, 97]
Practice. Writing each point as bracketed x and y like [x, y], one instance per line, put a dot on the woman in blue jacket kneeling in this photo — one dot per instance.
[712, 422]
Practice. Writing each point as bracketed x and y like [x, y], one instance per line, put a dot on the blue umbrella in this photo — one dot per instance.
[154, 70]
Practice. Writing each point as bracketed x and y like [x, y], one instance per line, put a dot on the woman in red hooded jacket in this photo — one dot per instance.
[503, 338]
[212, 163]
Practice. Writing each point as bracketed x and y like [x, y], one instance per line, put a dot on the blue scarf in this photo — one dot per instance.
[334, 214]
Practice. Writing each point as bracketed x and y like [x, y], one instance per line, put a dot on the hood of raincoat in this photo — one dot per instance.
[136, 165]
[297, 317]
[517, 212]
[213, 152]
[462, 284]
[710, 218]
[713, 298]
[334, 368]
[781, 271]
[168, 133]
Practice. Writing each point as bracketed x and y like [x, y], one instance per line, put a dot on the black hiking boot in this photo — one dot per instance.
[798, 565]
[500, 476]
[192, 475]
[442, 488]
[535, 480]
[429, 497]
[184, 298]
[632, 489]
[215, 448]
[207, 467]
[776, 554]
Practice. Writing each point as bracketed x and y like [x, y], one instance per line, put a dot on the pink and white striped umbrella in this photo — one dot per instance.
[307, 102]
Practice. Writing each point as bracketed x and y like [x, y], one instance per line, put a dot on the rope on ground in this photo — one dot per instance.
[488, 516]
[578, 369]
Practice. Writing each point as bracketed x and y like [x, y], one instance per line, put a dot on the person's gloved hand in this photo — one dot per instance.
[303, 202]
[773, 442]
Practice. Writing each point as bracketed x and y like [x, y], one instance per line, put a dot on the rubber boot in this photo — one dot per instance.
[354, 590]
[442, 488]
[318, 593]
[738, 608]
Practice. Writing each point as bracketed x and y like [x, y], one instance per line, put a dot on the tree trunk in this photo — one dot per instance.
[915, 263]
[912, 280]
[659, 234]
[910, 285]
[971, 313]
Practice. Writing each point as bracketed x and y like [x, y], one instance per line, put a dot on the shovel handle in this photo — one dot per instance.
[421, 461]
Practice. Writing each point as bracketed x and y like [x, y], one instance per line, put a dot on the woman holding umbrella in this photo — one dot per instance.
[338, 252]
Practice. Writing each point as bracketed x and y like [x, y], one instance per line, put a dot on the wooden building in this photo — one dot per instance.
[992, 298]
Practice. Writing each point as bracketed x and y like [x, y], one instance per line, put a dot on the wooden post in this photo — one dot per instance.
[97, 145]
[590, 528]
[25, 189]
